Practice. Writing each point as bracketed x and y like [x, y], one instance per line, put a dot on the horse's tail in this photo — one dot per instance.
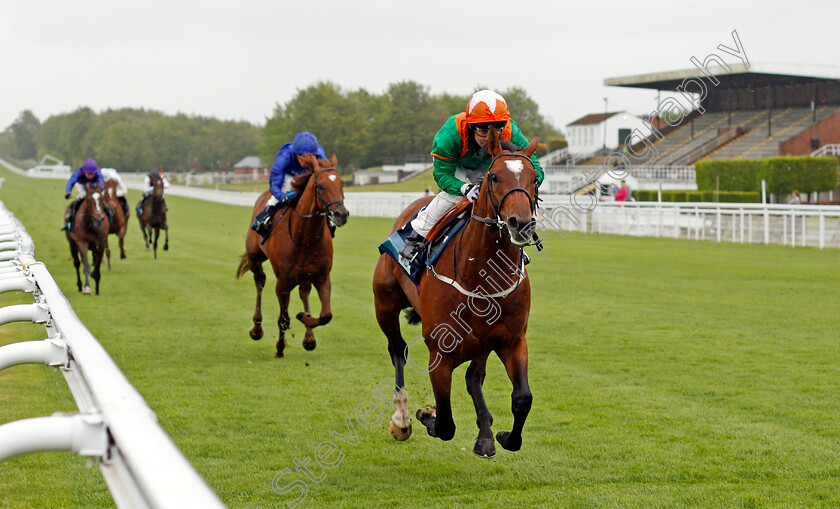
[244, 266]
[412, 316]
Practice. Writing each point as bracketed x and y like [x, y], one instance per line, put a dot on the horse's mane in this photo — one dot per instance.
[507, 145]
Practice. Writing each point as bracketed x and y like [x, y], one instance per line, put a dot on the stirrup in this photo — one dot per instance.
[412, 249]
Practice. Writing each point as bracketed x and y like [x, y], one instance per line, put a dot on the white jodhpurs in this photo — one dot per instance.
[434, 211]
[286, 188]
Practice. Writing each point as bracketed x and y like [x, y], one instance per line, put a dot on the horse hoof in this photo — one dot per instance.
[309, 345]
[256, 333]
[148, 248]
[300, 316]
[86, 290]
[122, 257]
[505, 438]
[430, 411]
[278, 355]
[485, 448]
[166, 247]
[399, 433]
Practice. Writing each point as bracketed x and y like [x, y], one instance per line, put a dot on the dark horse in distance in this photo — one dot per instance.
[120, 223]
[90, 232]
[299, 248]
[476, 301]
[153, 217]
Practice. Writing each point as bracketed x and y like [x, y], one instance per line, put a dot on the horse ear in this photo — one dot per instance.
[334, 160]
[532, 147]
[494, 144]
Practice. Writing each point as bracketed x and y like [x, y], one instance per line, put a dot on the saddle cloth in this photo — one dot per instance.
[441, 233]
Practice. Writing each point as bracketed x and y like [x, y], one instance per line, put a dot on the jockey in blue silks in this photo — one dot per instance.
[287, 162]
[88, 172]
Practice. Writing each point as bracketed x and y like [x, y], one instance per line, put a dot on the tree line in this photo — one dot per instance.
[132, 140]
[364, 129]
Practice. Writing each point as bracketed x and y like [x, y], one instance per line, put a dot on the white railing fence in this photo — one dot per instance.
[791, 225]
[832, 149]
[114, 426]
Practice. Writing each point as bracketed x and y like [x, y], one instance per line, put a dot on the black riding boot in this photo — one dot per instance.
[70, 221]
[123, 204]
[414, 245]
[262, 223]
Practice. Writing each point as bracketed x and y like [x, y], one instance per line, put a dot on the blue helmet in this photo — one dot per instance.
[305, 143]
[90, 166]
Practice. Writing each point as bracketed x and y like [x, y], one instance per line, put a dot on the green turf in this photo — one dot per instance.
[665, 373]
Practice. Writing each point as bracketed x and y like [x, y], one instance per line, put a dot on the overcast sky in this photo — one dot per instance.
[238, 58]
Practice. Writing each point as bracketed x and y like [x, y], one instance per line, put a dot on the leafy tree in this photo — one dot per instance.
[405, 121]
[124, 145]
[337, 119]
[526, 112]
[25, 132]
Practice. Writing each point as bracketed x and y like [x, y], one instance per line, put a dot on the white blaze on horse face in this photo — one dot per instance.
[332, 177]
[96, 200]
[515, 167]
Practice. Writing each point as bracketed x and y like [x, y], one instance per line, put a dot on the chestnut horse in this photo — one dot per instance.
[90, 232]
[299, 248]
[154, 216]
[120, 222]
[476, 300]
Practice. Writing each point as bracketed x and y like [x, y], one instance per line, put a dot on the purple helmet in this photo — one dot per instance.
[90, 166]
[305, 143]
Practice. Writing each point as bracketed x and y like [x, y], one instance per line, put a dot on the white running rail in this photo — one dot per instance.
[114, 426]
[749, 223]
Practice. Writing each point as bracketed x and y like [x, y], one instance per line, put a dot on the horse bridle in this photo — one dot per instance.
[497, 207]
[321, 201]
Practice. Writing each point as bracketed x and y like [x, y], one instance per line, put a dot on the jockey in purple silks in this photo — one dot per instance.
[88, 172]
[288, 161]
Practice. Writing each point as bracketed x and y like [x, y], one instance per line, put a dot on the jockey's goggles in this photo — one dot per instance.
[483, 129]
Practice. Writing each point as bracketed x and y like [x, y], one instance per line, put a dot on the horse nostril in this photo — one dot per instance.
[513, 223]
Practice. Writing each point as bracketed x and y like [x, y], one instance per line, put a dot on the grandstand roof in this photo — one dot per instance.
[757, 74]
[249, 162]
[593, 118]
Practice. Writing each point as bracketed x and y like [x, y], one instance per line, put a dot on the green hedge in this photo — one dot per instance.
[557, 143]
[699, 196]
[783, 174]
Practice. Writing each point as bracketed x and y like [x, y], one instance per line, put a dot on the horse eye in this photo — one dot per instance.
[494, 177]
[319, 187]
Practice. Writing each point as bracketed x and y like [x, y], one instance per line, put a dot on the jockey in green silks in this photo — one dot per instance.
[460, 153]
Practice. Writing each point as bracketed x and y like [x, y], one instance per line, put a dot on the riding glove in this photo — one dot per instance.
[470, 191]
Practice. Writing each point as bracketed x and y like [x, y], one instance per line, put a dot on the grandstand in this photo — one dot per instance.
[746, 111]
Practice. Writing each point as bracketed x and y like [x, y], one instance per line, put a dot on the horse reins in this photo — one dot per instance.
[496, 207]
[498, 223]
[321, 201]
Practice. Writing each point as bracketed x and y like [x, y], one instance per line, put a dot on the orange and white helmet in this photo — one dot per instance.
[486, 106]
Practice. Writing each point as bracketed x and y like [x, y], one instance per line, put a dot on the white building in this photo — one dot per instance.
[586, 134]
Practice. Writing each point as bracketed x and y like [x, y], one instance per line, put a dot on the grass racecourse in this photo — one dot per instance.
[665, 374]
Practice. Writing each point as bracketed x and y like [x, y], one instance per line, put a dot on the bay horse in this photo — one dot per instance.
[153, 216]
[90, 233]
[299, 248]
[476, 300]
[120, 223]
